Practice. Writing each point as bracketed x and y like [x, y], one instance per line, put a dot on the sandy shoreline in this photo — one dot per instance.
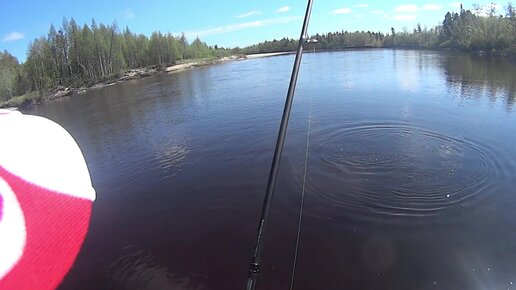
[203, 62]
[192, 64]
[260, 55]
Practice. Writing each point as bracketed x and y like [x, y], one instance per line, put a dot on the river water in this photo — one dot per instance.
[410, 174]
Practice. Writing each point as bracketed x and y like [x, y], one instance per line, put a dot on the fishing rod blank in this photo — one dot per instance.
[254, 267]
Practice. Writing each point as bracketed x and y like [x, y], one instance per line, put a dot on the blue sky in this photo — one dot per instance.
[227, 23]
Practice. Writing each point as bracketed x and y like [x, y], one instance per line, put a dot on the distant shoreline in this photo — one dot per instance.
[28, 101]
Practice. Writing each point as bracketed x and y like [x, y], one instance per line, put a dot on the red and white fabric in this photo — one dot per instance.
[46, 197]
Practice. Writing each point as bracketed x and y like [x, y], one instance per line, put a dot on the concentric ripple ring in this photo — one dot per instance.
[399, 170]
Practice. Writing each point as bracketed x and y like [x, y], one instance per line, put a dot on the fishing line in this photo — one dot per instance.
[255, 265]
[301, 206]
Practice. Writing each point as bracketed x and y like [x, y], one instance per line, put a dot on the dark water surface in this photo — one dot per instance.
[411, 175]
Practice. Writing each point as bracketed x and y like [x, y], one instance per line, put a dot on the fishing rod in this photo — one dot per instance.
[254, 267]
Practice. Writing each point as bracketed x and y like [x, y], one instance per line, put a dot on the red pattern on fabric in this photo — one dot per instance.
[56, 225]
[1, 206]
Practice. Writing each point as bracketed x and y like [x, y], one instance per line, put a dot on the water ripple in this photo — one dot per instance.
[399, 170]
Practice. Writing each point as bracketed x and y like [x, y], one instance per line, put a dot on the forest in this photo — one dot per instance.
[78, 56]
[466, 30]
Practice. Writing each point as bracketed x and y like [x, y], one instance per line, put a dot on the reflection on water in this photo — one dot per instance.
[406, 72]
[474, 77]
[141, 271]
[410, 180]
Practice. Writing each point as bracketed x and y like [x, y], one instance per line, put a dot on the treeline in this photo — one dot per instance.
[285, 44]
[466, 30]
[332, 40]
[74, 55]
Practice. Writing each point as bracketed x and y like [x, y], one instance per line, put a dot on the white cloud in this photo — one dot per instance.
[359, 16]
[404, 17]
[13, 36]
[247, 14]
[455, 5]
[361, 5]
[432, 7]
[240, 26]
[378, 12]
[128, 13]
[282, 9]
[498, 7]
[343, 10]
[408, 8]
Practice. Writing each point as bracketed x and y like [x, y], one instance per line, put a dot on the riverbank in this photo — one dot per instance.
[183, 65]
[30, 99]
[268, 54]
